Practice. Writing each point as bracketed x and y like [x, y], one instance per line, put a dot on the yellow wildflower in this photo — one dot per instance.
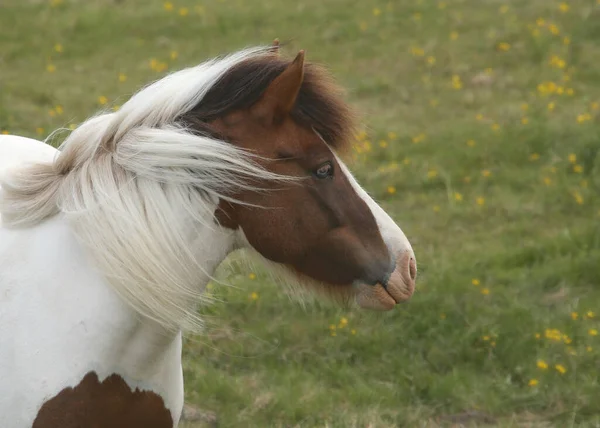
[563, 7]
[432, 173]
[376, 11]
[39, 131]
[578, 197]
[252, 275]
[553, 29]
[471, 143]
[102, 100]
[572, 157]
[541, 364]
[168, 6]
[480, 201]
[254, 295]
[589, 314]
[353, 332]
[593, 332]
[581, 118]
[391, 190]
[383, 144]
[454, 35]
[183, 11]
[495, 127]
[553, 334]
[485, 291]
[504, 46]
[436, 208]
[50, 68]
[547, 181]
[533, 382]
[58, 47]
[524, 120]
[551, 106]
[486, 173]
[560, 368]
[458, 196]
[392, 135]
[534, 156]
[475, 282]
[578, 169]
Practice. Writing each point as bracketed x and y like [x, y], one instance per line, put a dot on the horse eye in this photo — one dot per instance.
[324, 171]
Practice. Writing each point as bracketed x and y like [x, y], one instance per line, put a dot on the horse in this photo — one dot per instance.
[107, 243]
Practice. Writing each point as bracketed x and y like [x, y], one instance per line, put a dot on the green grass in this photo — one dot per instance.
[452, 354]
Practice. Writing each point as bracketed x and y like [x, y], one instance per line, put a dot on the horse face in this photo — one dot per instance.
[323, 226]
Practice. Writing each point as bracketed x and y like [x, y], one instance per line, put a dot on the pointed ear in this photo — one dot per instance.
[279, 98]
[275, 47]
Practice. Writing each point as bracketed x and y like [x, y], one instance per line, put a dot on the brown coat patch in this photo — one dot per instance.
[107, 404]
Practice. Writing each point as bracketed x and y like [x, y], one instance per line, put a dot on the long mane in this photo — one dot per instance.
[137, 183]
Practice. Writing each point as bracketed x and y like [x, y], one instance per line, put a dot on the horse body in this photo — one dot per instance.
[60, 320]
[106, 245]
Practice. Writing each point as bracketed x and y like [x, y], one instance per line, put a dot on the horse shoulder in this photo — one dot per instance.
[70, 347]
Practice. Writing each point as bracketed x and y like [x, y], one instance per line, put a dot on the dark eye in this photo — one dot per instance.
[324, 171]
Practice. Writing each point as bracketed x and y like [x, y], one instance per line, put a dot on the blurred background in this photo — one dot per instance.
[480, 137]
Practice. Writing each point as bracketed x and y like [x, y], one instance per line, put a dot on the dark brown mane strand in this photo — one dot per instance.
[319, 105]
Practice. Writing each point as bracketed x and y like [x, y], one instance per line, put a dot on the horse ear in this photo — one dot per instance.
[275, 47]
[279, 98]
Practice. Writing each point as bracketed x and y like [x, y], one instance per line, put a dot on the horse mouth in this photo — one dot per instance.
[384, 297]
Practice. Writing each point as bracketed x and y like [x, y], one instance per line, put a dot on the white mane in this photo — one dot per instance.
[135, 186]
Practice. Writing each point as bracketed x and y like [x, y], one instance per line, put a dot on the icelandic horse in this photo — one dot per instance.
[107, 244]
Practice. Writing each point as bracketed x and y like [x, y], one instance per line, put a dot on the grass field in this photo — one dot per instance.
[481, 138]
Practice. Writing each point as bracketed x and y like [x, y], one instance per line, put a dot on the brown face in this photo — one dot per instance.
[319, 226]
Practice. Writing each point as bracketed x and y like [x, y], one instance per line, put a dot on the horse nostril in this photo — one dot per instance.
[412, 268]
